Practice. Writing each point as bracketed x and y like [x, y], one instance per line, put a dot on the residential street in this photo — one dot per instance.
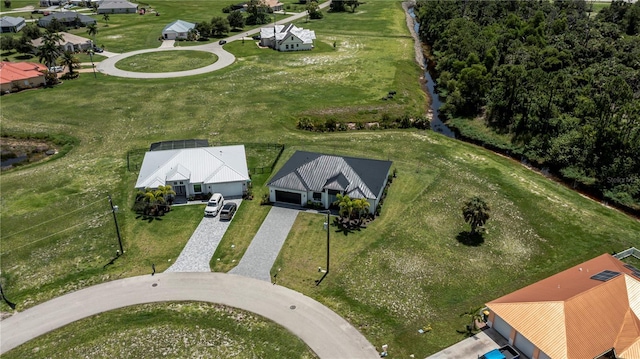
[325, 332]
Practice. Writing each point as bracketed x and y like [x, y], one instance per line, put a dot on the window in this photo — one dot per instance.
[287, 47]
[317, 196]
[297, 45]
[197, 188]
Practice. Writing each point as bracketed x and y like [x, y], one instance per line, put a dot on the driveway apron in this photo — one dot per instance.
[263, 250]
[197, 253]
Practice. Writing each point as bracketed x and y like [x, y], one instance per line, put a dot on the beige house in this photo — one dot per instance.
[16, 76]
[69, 42]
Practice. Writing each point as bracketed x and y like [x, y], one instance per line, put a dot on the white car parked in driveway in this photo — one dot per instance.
[213, 206]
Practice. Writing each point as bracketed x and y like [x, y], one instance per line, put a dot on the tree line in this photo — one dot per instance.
[562, 80]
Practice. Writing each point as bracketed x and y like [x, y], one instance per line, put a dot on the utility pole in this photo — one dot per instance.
[326, 271]
[114, 209]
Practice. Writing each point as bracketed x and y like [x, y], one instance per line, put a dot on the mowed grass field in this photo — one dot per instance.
[403, 272]
[174, 330]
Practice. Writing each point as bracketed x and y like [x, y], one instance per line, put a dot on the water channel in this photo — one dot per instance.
[436, 122]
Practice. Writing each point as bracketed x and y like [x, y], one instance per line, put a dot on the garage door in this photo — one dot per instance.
[288, 197]
[502, 327]
[524, 345]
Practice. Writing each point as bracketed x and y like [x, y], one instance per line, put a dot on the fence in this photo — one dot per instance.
[628, 253]
[135, 157]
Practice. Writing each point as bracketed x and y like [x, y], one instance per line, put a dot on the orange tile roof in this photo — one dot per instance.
[16, 71]
[569, 315]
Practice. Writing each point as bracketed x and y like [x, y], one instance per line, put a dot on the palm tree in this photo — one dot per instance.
[475, 316]
[69, 60]
[361, 207]
[476, 213]
[346, 205]
[167, 193]
[105, 17]
[92, 30]
[49, 50]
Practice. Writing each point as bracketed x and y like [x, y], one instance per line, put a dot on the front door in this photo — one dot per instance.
[180, 190]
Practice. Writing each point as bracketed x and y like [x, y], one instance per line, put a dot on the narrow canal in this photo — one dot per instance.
[436, 122]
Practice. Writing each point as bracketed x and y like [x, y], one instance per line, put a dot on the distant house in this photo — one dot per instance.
[117, 7]
[67, 18]
[275, 5]
[588, 311]
[70, 42]
[11, 24]
[177, 30]
[16, 76]
[319, 178]
[44, 3]
[193, 171]
[287, 38]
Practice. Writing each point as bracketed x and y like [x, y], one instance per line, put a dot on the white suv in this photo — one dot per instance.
[213, 206]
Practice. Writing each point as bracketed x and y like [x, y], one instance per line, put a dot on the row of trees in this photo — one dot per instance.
[355, 208]
[562, 81]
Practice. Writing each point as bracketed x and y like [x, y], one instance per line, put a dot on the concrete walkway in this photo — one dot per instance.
[167, 44]
[326, 333]
[197, 253]
[472, 347]
[265, 246]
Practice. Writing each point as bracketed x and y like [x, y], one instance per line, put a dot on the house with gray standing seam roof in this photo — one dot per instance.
[11, 24]
[319, 178]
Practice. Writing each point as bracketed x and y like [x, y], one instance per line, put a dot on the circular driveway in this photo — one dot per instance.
[108, 66]
[325, 332]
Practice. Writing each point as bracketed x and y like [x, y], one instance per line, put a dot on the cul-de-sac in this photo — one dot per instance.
[333, 179]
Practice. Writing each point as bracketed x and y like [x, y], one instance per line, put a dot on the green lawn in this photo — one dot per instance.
[174, 330]
[405, 271]
[167, 61]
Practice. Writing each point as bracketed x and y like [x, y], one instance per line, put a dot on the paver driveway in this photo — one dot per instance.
[265, 246]
[197, 253]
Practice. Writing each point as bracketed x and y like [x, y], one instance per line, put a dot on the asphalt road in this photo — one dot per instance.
[325, 332]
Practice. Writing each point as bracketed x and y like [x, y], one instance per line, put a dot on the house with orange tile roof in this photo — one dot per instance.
[588, 311]
[16, 76]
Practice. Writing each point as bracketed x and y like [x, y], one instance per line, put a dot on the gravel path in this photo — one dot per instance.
[263, 250]
[197, 253]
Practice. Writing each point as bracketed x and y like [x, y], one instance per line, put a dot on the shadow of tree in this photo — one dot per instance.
[148, 218]
[472, 239]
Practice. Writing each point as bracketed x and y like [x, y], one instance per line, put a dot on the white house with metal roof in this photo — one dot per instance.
[318, 178]
[177, 30]
[287, 38]
[193, 171]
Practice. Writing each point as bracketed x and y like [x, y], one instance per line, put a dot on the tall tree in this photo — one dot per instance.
[92, 30]
[204, 29]
[236, 20]
[49, 50]
[476, 213]
[313, 10]
[219, 26]
[69, 60]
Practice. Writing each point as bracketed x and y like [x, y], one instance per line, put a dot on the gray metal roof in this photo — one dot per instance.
[196, 165]
[356, 177]
[179, 26]
[117, 4]
[66, 16]
[282, 31]
[7, 21]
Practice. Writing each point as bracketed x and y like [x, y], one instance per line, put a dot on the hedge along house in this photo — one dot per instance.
[196, 171]
[287, 38]
[318, 178]
[588, 311]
